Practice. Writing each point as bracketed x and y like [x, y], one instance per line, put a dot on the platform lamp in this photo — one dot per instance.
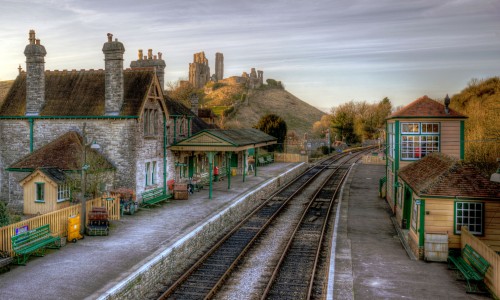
[85, 167]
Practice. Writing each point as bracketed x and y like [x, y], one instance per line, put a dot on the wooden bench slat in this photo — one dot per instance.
[154, 196]
[33, 242]
[472, 266]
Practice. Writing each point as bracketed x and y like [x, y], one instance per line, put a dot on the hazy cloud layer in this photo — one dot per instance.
[326, 52]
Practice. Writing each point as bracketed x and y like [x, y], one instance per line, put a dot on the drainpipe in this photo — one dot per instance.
[31, 121]
[228, 170]
[175, 130]
[165, 136]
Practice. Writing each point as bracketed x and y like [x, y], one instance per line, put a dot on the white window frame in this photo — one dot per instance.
[413, 126]
[471, 215]
[63, 192]
[414, 215]
[415, 145]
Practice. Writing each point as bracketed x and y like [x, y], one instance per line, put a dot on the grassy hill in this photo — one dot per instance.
[250, 105]
[4, 89]
[480, 101]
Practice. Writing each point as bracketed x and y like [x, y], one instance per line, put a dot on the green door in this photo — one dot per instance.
[191, 166]
[234, 160]
[407, 208]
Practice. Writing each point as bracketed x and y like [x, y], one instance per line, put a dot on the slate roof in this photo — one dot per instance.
[242, 137]
[440, 175]
[54, 174]
[64, 153]
[177, 108]
[79, 93]
[425, 107]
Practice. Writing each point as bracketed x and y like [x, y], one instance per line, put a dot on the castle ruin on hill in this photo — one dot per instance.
[199, 73]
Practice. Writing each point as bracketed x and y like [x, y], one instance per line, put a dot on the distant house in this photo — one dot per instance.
[446, 194]
[420, 128]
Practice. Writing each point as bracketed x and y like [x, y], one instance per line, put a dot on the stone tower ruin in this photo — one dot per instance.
[113, 60]
[219, 66]
[35, 75]
[151, 61]
[199, 71]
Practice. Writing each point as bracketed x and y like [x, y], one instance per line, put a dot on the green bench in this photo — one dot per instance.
[154, 196]
[471, 266]
[33, 242]
[262, 161]
[269, 159]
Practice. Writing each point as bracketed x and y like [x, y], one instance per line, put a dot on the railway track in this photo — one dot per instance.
[209, 273]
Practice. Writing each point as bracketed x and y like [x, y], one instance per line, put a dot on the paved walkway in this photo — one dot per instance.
[90, 267]
[370, 260]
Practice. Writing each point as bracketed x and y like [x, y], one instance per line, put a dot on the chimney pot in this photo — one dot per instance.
[110, 37]
[140, 54]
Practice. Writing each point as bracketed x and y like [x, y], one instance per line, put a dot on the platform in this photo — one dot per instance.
[90, 267]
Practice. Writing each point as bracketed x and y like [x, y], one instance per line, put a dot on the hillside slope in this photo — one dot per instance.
[4, 89]
[298, 115]
[480, 101]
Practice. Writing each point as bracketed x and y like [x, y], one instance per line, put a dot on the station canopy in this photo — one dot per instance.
[220, 140]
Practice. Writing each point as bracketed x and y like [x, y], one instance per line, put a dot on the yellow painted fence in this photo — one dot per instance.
[58, 220]
[289, 157]
[492, 278]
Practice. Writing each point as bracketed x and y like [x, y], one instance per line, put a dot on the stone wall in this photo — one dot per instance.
[179, 256]
[117, 138]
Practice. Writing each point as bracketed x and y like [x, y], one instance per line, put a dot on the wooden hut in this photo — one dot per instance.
[45, 190]
[446, 194]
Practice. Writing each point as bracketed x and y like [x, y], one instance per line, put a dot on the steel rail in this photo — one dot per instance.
[237, 227]
[321, 234]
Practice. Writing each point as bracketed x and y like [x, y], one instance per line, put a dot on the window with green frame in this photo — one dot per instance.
[419, 139]
[147, 173]
[470, 214]
[153, 173]
[414, 216]
[392, 138]
[40, 191]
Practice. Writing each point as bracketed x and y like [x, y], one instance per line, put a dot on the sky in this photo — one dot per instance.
[326, 52]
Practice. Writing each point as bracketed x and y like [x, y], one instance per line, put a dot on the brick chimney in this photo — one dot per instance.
[151, 61]
[113, 60]
[194, 103]
[35, 75]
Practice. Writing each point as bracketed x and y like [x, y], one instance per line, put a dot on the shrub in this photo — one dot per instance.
[4, 214]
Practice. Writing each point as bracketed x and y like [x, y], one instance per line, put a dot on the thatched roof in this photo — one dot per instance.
[64, 153]
[79, 93]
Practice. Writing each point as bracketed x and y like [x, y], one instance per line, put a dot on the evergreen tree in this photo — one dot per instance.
[275, 126]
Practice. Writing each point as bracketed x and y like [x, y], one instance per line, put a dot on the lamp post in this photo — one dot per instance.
[85, 166]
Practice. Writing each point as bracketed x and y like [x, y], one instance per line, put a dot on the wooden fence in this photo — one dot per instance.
[492, 278]
[58, 220]
[373, 160]
[289, 157]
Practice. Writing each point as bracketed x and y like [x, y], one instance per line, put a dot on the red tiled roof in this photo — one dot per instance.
[425, 107]
[440, 175]
[64, 153]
